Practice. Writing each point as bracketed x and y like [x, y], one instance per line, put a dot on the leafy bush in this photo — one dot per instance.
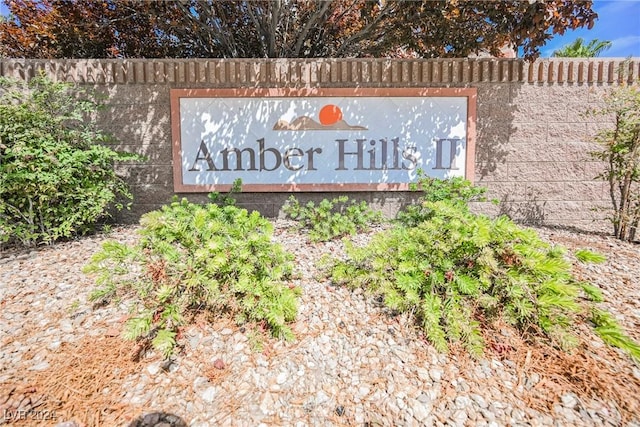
[192, 258]
[332, 218]
[620, 153]
[456, 190]
[458, 272]
[56, 177]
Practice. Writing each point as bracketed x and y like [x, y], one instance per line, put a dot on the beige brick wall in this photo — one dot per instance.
[532, 139]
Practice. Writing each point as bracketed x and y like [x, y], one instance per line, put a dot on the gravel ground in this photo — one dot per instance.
[352, 363]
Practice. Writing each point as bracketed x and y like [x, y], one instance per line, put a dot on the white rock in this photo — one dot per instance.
[321, 397]
[363, 391]
[66, 326]
[459, 417]
[420, 410]
[435, 374]
[282, 378]
[463, 402]
[209, 394]
[423, 374]
[569, 401]
[153, 369]
[40, 366]
[194, 340]
[137, 399]
[401, 403]
[267, 404]
[479, 401]
[200, 383]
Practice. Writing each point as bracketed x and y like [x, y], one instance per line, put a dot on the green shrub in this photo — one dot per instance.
[458, 272]
[620, 154]
[332, 218]
[193, 258]
[456, 190]
[56, 176]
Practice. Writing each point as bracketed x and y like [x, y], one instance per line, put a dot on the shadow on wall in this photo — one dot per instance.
[530, 212]
[495, 115]
[529, 133]
[138, 117]
[511, 133]
[395, 136]
[544, 175]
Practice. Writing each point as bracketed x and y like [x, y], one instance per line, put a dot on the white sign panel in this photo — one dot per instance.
[285, 143]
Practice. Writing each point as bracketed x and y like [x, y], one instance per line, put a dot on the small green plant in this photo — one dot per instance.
[227, 199]
[592, 292]
[256, 340]
[611, 333]
[332, 218]
[620, 153]
[57, 175]
[192, 258]
[456, 190]
[587, 256]
[74, 306]
[458, 272]
[106, 229]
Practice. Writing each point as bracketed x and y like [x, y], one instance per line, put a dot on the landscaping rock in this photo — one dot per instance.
[352, 360]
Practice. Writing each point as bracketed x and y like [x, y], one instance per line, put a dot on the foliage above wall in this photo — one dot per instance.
[580, 49]
[283, 28]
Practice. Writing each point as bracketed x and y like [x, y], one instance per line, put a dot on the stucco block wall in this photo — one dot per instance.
[532, 140]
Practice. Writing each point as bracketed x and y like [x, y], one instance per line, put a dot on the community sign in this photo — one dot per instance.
[320, 139]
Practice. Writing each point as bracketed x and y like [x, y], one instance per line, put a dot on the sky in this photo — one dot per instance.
[618, 21]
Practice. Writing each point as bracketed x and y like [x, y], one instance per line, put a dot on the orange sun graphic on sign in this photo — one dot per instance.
[330, 114]
[331, 118]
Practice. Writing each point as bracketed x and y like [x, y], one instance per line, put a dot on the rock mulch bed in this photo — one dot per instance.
[63, 363]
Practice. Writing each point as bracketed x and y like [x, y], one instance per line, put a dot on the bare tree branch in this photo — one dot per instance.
[312, 22]
[275, 19]
[367, 31]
